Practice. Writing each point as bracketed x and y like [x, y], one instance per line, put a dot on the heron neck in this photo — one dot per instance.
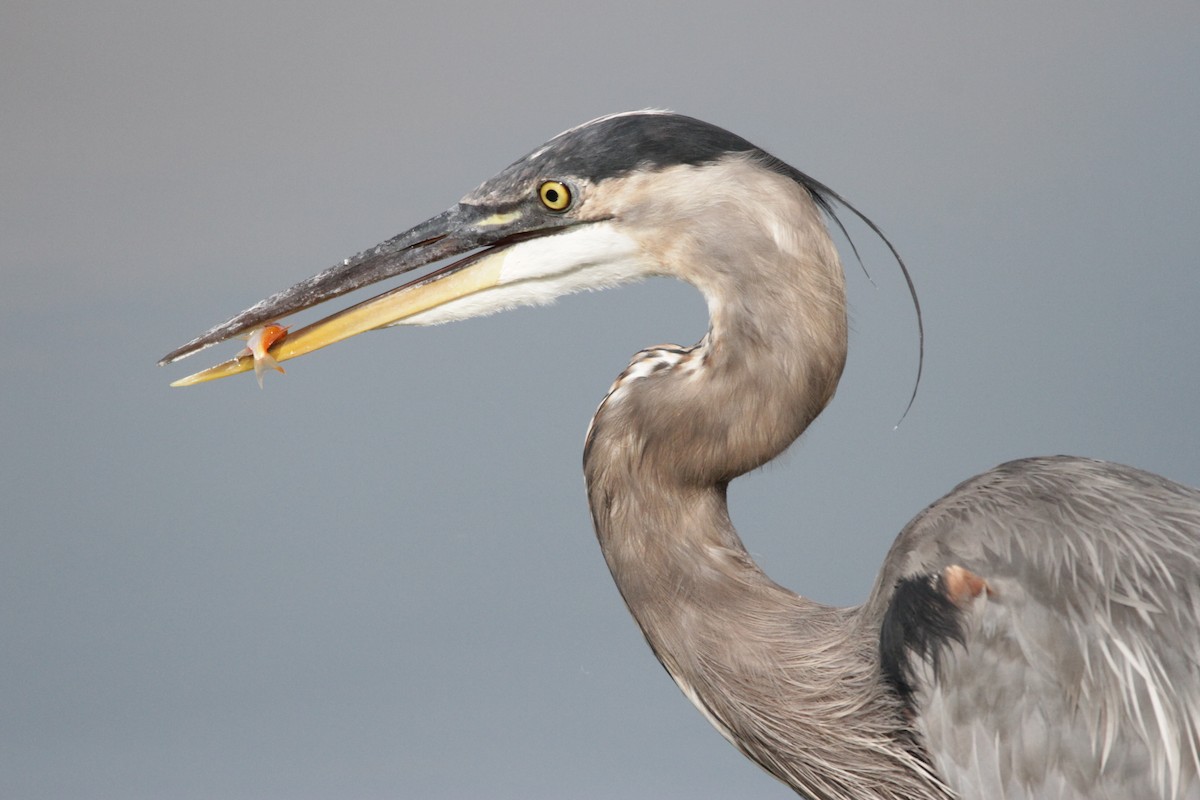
[753, 657]
[680, 423]
[677, 426]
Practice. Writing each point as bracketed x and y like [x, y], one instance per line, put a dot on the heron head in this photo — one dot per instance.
[596, 206]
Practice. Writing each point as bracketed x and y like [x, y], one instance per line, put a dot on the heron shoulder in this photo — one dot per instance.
[1073, 659]
[1066, 525]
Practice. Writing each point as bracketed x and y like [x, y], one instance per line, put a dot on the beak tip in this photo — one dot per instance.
[223, 370]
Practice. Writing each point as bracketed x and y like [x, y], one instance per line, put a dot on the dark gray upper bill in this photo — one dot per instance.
[448, 234]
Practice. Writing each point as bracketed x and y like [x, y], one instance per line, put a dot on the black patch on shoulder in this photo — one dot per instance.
[919, 622]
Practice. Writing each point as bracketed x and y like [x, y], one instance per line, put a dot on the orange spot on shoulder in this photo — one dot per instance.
[962, 585]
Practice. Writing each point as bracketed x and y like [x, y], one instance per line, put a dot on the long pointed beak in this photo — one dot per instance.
[457, 231]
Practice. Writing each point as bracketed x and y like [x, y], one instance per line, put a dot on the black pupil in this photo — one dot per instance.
[552, 196]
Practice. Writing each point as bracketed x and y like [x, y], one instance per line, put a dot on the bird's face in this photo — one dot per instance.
[526, 236]
[614, 200]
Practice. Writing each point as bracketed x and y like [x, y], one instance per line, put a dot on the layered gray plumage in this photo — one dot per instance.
[1034, 634]
[1078, 671]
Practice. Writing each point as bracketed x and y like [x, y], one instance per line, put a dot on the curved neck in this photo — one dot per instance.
[676, 427]
[680, 423]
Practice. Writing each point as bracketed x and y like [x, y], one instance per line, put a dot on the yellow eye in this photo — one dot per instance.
[555, 195]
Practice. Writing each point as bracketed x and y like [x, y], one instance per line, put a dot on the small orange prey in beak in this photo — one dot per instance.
[258, 342]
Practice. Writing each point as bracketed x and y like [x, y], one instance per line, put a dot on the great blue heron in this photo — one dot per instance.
[1034, 633]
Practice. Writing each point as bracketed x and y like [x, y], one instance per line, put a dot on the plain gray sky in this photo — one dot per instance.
[377, 578]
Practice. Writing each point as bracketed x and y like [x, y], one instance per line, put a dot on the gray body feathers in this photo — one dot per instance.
[1078, 670]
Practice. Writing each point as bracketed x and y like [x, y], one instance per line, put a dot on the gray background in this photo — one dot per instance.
[377, 578]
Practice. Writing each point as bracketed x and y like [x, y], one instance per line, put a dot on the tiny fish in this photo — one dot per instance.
[258, 342]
